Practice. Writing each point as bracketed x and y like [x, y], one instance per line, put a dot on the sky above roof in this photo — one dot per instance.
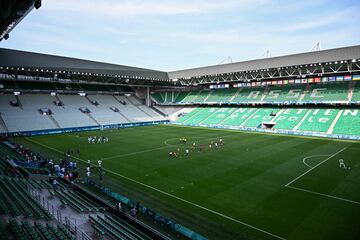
[177, 34]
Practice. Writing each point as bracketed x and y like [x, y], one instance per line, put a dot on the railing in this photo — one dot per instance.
[154, 215]
[68, 222]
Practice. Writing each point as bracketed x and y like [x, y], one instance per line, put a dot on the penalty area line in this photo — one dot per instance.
[312, 168]
[324, 195]
[171, 195]
[312, 156]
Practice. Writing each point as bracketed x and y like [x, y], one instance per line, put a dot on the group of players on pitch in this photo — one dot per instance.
[201, 147]
[95, 139]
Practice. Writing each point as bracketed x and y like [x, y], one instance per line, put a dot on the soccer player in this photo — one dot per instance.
[187, 152]
[88, 173]
[88, 163]
[202, 147]
[99, 163]
[342, 164]
[221, 142]
[170, 154]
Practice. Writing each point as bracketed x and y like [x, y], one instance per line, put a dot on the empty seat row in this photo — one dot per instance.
[17, 201]
[77, 201]
[38, 231]
[116, 228]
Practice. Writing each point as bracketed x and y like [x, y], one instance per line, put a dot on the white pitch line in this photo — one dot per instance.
[306, 158]
[324, 195]
[173, 196]
[134, 153]
[286, 185]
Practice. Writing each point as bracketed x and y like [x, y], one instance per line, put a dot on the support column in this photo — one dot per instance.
[147, 97]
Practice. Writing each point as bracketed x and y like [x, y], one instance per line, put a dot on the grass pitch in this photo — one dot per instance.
[258, 186]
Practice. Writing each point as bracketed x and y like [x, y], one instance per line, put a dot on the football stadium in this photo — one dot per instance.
[256, 149]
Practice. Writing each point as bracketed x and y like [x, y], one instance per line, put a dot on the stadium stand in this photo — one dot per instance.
[318, 120]
[221, 95]
[69, 115]
[20, 201]
[348, 123]
[238, 116]
[68, 87]
[218, 116]
[330, 92]
[25, 230]
[284, 94]
[291, 119]
[77, 201]
[26, 212]
[115, 228]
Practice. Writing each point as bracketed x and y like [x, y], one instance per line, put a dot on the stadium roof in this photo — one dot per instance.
[331, 55]
[12, 12]
[21, 60]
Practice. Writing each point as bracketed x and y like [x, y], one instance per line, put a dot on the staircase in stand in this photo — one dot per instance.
[159, 111]
[117, 100]
[333, 124]
[3, 124]
[18, 101]
[58, 98]
[92, 118]
[351, 91]
[303, 94]
[123, 115]
[137, 106]
[56, 123]
[94, 103]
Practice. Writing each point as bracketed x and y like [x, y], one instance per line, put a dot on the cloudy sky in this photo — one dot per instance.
[178, 34]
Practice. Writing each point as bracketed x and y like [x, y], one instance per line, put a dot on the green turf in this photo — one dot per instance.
[237, 192]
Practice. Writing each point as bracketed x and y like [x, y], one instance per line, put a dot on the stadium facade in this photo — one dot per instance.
[280, 94]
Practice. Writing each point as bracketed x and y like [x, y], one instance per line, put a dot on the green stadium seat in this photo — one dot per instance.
[348, 123]
[289, 118]
[221, 95]
[238, 116]
[262, 115]
[330, 92]
[318, 120]
[220, 115]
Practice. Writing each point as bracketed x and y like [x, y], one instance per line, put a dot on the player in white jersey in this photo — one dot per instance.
[342, 164]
